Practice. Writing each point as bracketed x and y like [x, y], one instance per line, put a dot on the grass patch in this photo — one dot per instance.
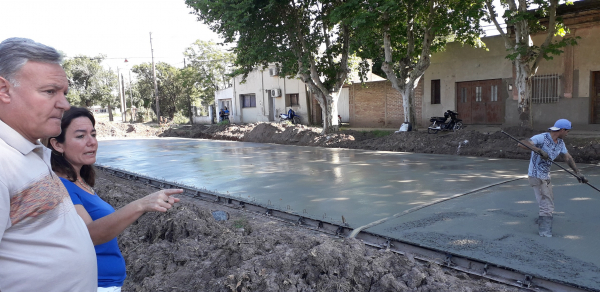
[242, 223]
[379, 133]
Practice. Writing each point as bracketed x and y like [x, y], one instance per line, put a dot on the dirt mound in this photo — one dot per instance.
[185, 249]
[463, 142]
[121, 130]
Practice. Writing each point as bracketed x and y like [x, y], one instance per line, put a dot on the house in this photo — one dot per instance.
[479, 84]
[263, 96]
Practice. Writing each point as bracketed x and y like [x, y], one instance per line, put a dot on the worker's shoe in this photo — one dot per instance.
[545, 226]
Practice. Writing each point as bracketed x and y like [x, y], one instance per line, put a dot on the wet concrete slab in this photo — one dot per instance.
[362, 186]
[496, 224]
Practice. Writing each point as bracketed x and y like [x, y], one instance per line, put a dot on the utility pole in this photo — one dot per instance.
[121, 95]
[155, 84]
[130, 97]
[189, 101]
[124, 116]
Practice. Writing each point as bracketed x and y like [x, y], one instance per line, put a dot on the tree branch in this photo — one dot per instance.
[551, 29]
[508, 43]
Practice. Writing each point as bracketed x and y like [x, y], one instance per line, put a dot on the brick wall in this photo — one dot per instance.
[378, 105]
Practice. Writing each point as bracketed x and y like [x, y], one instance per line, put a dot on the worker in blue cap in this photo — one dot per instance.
[546, 147]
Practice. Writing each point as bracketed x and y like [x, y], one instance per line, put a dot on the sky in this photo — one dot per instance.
[117, 28]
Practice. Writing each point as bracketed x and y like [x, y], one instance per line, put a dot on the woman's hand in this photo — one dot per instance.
[160, 201]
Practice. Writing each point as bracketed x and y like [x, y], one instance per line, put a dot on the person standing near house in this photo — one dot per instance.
[546, 147]
[44, 244]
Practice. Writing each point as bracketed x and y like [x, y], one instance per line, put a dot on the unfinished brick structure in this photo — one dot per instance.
[378, 105]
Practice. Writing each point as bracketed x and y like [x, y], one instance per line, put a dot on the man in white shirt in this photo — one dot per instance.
[44, 244]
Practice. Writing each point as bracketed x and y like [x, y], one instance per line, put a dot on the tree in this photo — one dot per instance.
[89, 83]
[526, 57]
[401, 35]
[170, 86]
[297, 35]
[103, 91]
[212, 68]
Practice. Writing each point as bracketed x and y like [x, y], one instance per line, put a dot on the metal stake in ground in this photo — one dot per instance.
[576, 176]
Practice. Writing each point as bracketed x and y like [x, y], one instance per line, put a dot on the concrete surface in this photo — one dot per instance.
[496, 224]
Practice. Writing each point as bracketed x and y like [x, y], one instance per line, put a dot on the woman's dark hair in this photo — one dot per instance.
[59, 163]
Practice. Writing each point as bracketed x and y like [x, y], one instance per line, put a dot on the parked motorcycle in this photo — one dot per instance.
[443, 124]
[290, 116]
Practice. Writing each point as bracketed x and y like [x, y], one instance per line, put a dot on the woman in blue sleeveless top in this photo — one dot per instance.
[73, 153]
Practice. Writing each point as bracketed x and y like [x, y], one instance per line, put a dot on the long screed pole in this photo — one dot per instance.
[571, 173]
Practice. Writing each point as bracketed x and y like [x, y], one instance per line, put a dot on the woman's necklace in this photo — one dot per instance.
[85, 186]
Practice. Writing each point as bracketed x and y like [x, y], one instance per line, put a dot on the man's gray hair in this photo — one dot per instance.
[15, 52]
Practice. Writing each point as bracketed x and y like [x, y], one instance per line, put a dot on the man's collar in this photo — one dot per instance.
[15, 140]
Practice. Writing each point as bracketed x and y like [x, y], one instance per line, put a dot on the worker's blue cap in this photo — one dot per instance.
[561, 124]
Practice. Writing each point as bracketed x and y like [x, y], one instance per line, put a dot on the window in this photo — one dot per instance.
[494, 96]
[478, 93]
[248, 100]
[544, 89]
[292, 99]
[435, 92]
[463, 94]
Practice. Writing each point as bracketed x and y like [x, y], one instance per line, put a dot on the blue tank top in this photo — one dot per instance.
[111, 264]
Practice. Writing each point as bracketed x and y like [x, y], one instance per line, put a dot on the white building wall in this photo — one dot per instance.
[223, 97]
[259, 82]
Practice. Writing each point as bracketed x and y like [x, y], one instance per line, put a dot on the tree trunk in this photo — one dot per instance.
[110, 115]
[408, 97]
[524, 86]
[191, 112]
[329, 112]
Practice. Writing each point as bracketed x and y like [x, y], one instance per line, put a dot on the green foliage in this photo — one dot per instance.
[212, 68]
[526, 17]
[284, 32]
[170, 87]
[298, 36]
[225, 122]
[145, 115]
[379, 133]
[181, 88]
[180, 119]
[408, 22]
[242, 223]
[89, 83]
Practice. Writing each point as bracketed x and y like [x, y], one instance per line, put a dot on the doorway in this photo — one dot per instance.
[271, 106]
[480, 102]
[595, 97]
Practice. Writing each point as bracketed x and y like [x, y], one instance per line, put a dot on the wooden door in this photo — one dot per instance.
[595, 97]
[480, 102]
[463, 96]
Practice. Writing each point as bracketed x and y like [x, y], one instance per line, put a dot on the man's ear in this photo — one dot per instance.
[57, 146]
[4, 90]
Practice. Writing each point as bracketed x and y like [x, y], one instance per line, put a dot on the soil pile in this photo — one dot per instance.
[186, 249]
[122, 130]
[463, 142]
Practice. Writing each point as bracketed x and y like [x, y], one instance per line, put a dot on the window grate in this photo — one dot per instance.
[478, 93]
[544, 89]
